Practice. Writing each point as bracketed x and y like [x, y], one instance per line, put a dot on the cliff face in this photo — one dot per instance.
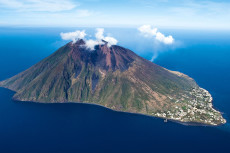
[116, 78]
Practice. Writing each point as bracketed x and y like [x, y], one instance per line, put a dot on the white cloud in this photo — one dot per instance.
[99, 35]
[198, 14]
[111, 41]
[148, 31]
[38, 5]
[160, 42]
[92, 43]
[73, 35]
[166, 40]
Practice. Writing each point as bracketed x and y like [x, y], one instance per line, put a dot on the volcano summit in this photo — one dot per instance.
[116, 78]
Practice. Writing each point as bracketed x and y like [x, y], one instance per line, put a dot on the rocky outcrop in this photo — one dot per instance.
[117, 78]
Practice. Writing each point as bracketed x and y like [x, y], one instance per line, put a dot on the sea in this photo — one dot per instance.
[27, 127]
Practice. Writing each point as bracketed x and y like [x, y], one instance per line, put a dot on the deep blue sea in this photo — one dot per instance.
[27, 127]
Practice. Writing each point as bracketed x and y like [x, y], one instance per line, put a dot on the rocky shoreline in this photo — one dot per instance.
[199, 109]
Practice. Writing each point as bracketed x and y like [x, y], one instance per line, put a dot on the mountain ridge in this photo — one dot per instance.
[114, 77]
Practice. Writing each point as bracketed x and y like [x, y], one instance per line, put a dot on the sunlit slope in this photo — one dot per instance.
[117, 78]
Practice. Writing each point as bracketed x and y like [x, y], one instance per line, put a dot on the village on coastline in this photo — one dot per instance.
[199, 110]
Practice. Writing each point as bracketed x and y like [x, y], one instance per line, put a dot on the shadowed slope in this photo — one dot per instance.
[114, 77]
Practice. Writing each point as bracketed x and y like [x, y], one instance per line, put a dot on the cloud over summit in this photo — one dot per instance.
[90, 43]
[74, 36]
[100, 36]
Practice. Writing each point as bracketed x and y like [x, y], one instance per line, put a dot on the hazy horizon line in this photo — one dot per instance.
[114, 26]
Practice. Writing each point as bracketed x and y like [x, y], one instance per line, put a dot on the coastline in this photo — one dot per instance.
[186, 123]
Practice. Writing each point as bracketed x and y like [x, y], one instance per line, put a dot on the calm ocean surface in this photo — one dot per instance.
[82, 128]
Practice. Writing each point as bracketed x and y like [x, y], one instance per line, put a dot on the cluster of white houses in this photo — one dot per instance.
[199, 109]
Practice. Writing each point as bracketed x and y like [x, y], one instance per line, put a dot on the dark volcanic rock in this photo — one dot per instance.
[114, 77]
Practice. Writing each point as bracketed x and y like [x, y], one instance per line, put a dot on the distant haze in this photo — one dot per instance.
[195, 14]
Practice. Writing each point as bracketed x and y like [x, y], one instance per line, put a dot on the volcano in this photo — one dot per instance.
[117, 78]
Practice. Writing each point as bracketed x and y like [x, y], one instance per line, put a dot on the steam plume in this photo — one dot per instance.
[148, 31]
[73, 35]
[90, 43]
[159, 39]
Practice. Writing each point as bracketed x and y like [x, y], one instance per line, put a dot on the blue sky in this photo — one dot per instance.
[193, 14]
